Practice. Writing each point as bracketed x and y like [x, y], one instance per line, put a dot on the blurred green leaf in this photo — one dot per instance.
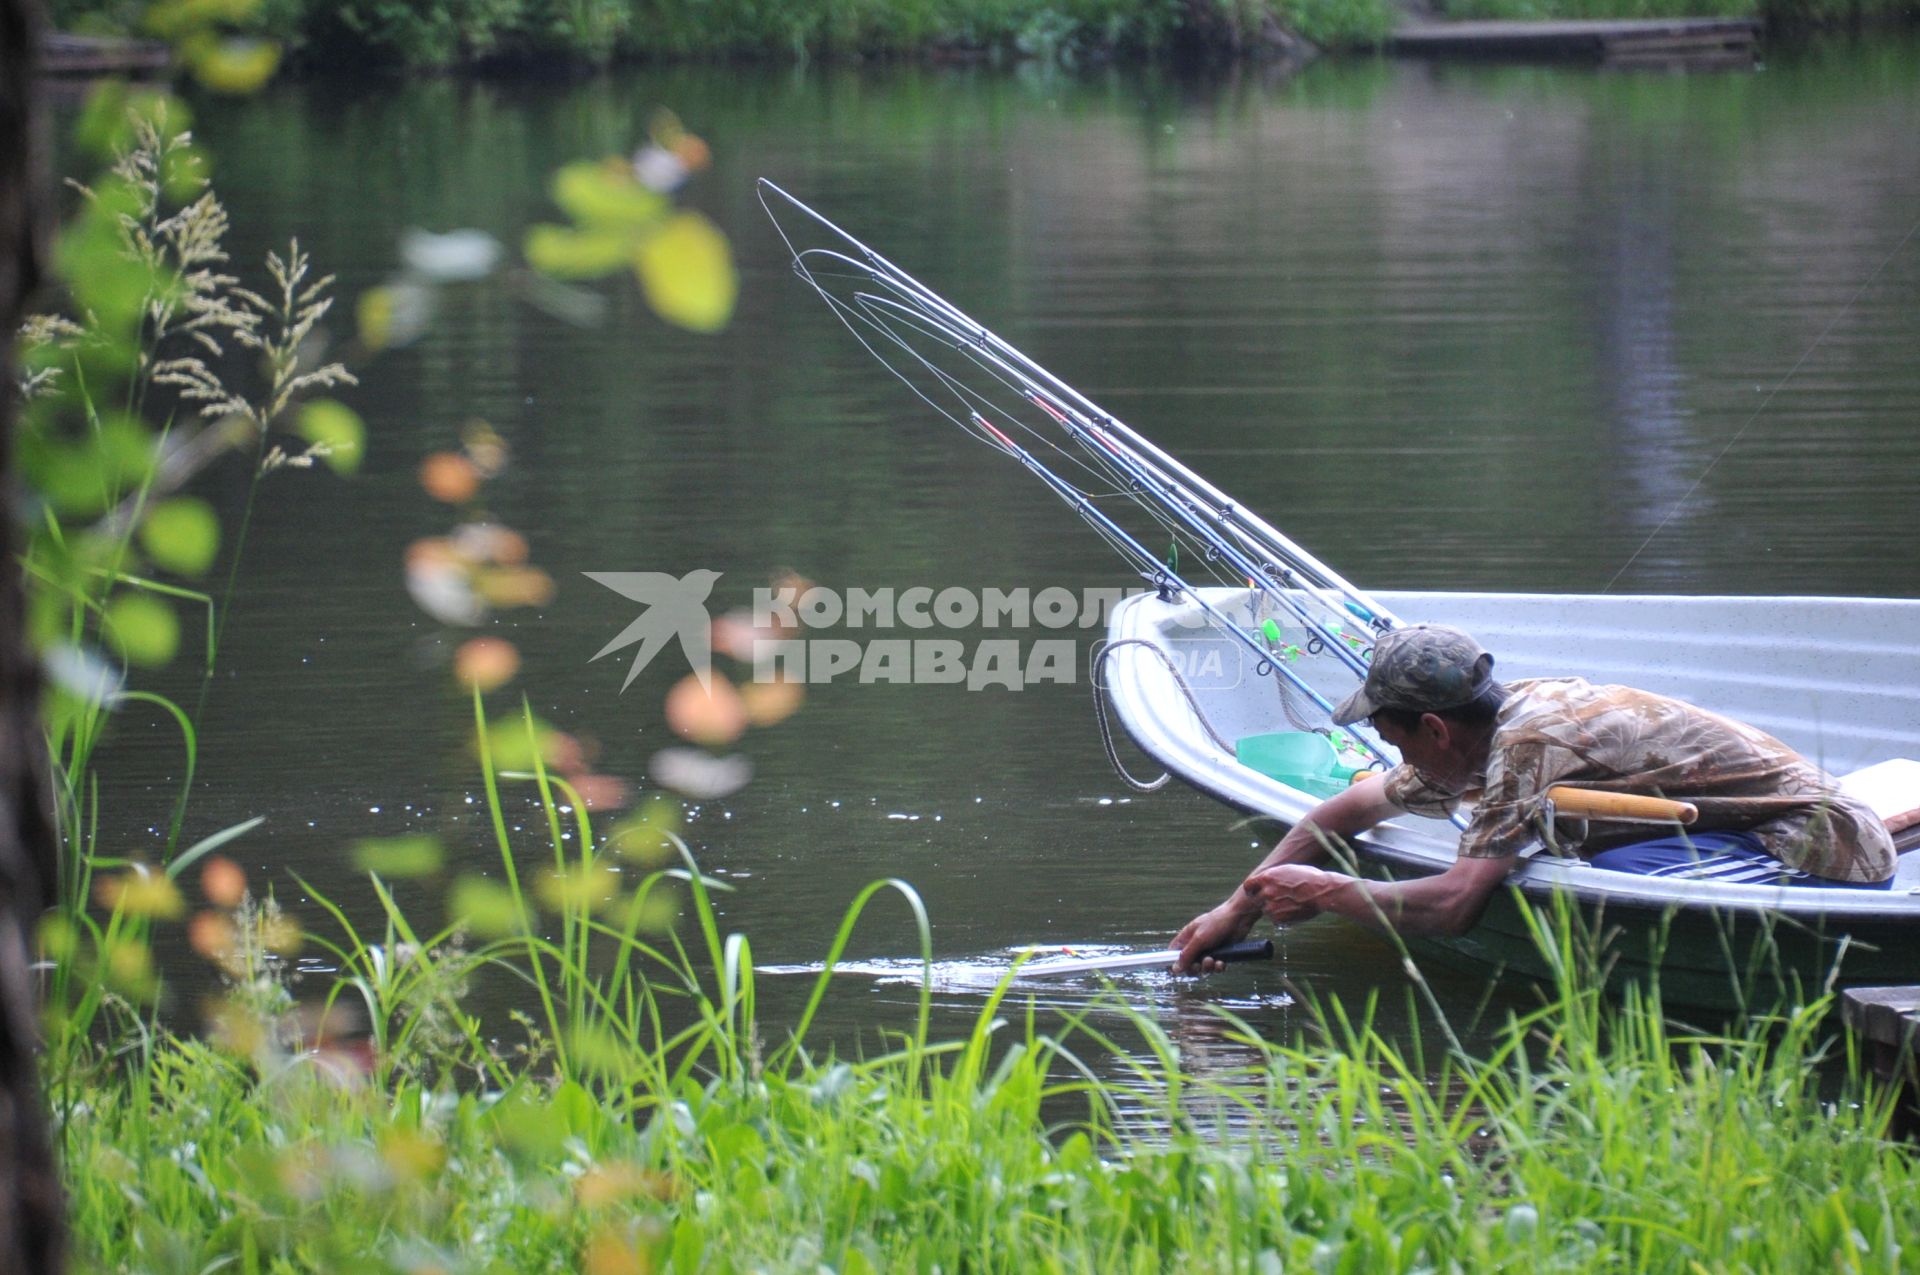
[583, 888]
[528, 1128]
[142, 628]
[87, 475]
[654, 912]
[63, 475]
[487, 908]
[126, 451]
[565, 253]
[174, 19]
[598, 1051]
[184, 172]
[686, 270]
[409, 856]
[59, 940]
[106, 122]
[128, 965]
[182, 535]
[605, 195]
[103, 278]
[511, 746]
[644, 836]
[578, 1115]
[336, 427]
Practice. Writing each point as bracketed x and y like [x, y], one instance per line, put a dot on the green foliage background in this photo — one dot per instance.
[447, 33]
[443, 33]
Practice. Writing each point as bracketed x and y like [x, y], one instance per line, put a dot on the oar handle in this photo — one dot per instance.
[1591, 803]
[1246, 950]
[1594, 803]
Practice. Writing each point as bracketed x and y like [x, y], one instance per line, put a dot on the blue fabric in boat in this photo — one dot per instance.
[1730, 857]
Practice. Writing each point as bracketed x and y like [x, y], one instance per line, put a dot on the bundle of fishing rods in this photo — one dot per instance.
[1122, 485]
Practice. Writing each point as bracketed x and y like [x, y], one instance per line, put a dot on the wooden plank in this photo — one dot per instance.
[1582, 38]
[1887, 1021]
[1625, 45]
[1884, 1015]
[62, 54]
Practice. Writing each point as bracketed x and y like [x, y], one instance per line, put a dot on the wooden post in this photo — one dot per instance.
[1887, 1021]
[32, 1235]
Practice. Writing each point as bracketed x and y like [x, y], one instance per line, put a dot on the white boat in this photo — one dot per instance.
[1837, 678]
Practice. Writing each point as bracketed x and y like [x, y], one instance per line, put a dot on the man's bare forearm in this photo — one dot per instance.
[1405, 907]
[1449, 903]
[1355, 810]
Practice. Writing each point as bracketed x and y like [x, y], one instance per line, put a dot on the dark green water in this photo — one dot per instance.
[1450, 327]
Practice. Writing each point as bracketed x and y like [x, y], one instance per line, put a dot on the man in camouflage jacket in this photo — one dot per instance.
[1766, 813]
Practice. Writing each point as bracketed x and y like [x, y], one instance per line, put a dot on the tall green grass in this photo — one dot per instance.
[654, 1122]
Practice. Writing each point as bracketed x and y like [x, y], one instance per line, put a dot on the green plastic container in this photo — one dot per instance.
[1298, 759]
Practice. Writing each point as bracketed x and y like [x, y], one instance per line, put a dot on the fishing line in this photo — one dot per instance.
[916, 335]
[1766, 402]
[882, 314]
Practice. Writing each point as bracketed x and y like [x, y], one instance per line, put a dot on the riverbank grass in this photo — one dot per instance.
[646, 1119]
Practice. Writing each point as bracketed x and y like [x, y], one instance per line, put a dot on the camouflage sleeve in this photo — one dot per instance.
[1507, 818]
[1407, 790]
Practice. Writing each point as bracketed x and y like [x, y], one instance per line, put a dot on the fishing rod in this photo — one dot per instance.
[1135, 460]
[1211, 524]
[886, 272]
[1130, 547]
[1163, 576]
[893, 314]
[1177, 486]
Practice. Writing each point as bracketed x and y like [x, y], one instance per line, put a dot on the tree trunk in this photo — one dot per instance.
[32, 1228]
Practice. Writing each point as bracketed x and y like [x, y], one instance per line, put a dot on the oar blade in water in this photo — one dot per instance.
[1253, 950]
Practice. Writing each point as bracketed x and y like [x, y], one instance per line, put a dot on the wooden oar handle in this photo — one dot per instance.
[1591, 803]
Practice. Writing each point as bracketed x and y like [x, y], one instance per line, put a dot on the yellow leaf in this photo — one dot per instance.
[234, 65]
[410, 1155]
[565, 253]
[605, 195]
[140, 891]
[686, 271]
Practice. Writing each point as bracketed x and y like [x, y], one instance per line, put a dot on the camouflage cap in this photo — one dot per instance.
[1422, 668]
